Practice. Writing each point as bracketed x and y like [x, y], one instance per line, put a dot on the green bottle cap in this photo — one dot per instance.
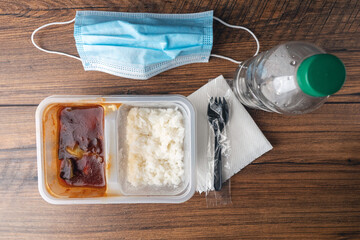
[321, 75]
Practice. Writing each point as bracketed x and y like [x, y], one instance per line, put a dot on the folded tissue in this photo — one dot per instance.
[247, 142]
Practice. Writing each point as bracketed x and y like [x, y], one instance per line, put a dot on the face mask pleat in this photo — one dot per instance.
[142, 44]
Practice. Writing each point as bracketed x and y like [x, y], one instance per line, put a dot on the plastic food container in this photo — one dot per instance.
[117, 189]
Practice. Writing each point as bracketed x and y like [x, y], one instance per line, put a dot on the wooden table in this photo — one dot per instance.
[307, 187]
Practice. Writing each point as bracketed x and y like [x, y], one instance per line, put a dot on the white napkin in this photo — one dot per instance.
[246, 140]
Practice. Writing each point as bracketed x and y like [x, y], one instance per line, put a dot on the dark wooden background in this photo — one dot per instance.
[307, 187]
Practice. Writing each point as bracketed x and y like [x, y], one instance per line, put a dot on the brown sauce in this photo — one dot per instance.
[81, 143]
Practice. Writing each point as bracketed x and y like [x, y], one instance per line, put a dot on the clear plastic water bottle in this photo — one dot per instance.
[291, 78]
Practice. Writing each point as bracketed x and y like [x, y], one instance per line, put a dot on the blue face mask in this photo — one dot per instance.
[141, 45]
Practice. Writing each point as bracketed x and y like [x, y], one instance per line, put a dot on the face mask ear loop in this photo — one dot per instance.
[237, 27]
[48, 51]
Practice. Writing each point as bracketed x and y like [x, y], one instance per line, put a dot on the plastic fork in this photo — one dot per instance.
[218, 116]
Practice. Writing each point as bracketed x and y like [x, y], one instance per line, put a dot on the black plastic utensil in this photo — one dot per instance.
[218, 116]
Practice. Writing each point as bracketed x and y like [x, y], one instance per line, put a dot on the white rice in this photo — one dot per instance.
[155, 139]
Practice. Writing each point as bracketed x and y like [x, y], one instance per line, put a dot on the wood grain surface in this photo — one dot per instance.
[307, 187]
